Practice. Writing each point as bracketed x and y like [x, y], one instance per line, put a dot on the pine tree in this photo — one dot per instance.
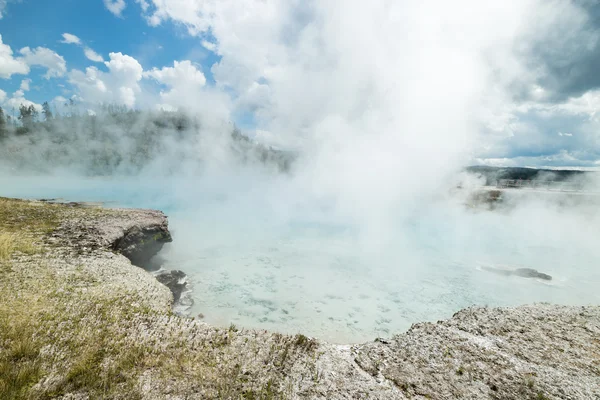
[47, 112]
[2, 123]
[27, 115]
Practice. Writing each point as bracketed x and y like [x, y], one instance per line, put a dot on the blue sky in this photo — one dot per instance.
[36, 23]
[288, 71]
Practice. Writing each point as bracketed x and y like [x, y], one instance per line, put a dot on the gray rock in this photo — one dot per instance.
[175, 280]
[540, 351]
[522, 272]
[140, 243]
[137, 234]
[531, 273]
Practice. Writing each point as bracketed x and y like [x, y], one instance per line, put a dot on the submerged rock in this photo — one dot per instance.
[175, 280]
[522, 272]
[531, 273]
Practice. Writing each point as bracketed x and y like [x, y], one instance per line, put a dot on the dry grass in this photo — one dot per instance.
[7, 246]
[22, 226]
[11, 243]
[33, 217]
[64, 332]
[20, 365]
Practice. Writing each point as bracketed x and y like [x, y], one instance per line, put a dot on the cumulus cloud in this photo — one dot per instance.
[18, 99]
[55, 64]
[192, 14]
[70, 39]
[563, 51]
[119, 85]
[9, 65]
[115, 6]
[25, 84]
[181, 74]
[531, 131]
[186, 89]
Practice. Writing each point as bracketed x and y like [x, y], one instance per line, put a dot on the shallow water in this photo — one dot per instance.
[321, 282]
[309, 272]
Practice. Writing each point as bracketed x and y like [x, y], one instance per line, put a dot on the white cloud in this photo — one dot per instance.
[9, 65]
[59, 100]
[59, 104]
[193, 14]
[41, 56]
[115, 6]
[153, 20]
[187, 89]
[2, 96]
[25, 84]
[4, 4]
[18, 99]
[119, 85]
[92, 55]
[70, 39]
[181, 74]
[209, 45]
[143, 4]
[565, 134]
[587, 105]
[124, 67]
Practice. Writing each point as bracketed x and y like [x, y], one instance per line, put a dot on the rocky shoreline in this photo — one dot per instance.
[79, 320]
[136, 234]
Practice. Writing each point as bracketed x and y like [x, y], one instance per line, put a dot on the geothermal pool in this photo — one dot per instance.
[258, 265]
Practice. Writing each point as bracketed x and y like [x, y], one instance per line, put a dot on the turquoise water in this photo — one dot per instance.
[258, 263]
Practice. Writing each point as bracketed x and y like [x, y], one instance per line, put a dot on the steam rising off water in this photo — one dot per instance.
[301, 269]
[382, 101]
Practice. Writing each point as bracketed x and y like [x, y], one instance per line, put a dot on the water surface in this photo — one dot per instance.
[256, 266]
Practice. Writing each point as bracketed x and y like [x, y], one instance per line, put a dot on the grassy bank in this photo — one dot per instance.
[66, 327]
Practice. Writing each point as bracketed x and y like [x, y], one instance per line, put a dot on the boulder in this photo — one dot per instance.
[175, 280]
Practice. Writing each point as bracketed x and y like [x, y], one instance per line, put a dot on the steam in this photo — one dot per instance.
[377, 107]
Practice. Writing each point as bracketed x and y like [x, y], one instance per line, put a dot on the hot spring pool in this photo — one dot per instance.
[319, 281]
[253, 266]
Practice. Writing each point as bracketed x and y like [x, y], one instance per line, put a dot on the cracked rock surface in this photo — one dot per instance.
[137, 234]
[538, 351]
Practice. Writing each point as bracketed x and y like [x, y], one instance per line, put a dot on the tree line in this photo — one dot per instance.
[28, 116]
[116, 138]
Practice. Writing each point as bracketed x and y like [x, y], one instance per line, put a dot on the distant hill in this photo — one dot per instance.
[493, 174]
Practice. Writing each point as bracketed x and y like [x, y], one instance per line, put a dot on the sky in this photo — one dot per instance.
[511, 84]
